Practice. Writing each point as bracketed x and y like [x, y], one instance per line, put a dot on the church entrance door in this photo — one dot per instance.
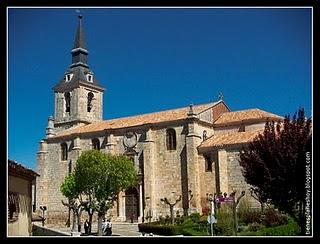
[132, 204]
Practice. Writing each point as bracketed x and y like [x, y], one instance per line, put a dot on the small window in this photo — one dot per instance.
[171, 139]
[13, 206]
[89, 101]
[68, 77]
[89, 77]
[67, 101]
[208, 164]
[96, 144]
[64, 151]
[204, 135]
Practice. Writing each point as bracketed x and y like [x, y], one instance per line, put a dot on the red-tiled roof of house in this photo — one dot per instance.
[228, 139]
[15, 168]
[245, 115]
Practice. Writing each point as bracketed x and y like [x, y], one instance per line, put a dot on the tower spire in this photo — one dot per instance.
[79, 41]
[79, 51]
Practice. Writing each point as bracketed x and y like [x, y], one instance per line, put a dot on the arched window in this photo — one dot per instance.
[204, 135]
[67, 101]
[171, 139]
[95, 144]
[64, 151]
[89, 101]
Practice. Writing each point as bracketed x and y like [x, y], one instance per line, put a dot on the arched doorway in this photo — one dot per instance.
[132, 204]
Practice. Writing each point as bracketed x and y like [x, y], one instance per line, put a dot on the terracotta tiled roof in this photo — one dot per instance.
[15, 168]
[244, 115]
[228, 139]
[151, 118]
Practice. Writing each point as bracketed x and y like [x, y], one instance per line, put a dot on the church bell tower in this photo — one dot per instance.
[78, 95]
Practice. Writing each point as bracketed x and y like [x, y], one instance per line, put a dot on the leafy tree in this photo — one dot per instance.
[98, 179]
[70, 190]
[275, 164]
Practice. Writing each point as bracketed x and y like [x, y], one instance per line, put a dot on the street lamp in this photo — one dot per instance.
[210, 198]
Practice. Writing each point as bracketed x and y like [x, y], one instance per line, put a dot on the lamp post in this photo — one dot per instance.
[210, 198]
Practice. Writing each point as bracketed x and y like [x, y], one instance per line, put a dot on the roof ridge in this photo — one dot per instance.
[162, 111]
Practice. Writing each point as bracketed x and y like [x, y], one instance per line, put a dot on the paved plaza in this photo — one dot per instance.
[118, 229]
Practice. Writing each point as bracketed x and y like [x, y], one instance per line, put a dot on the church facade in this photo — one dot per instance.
[187, 152]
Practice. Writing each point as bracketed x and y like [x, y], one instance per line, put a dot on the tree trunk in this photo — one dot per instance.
[171, 214]
[79, 220]
[90, 222]
[69, 217]
[100, 218]
[73, 220]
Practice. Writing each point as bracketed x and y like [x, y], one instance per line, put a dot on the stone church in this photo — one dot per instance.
[187, 152]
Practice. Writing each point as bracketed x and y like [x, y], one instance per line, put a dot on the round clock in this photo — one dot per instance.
[130, 139]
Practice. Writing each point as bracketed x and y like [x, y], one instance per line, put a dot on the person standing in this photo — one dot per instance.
[108, 228]
[104, 227]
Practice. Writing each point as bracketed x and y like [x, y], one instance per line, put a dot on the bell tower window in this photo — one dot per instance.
[67, 101]
[89, 102]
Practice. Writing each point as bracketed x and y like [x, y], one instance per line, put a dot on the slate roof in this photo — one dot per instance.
[79, 41]
[80, 69]
[245, 116]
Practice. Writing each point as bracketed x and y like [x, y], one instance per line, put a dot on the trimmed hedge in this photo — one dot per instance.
[290, 229]
[166, 230]
[171, 230]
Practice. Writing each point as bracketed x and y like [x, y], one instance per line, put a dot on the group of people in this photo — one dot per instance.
[106, 227]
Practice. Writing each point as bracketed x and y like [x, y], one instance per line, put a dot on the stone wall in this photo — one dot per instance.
[236, 181]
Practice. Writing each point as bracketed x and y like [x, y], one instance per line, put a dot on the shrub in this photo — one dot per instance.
[205, 210]
[225, 221]
[248, 215]
[273, 217]
[187, 222]
[181, 220]
[290, 229]
[195, 217]
[166, 230]
[194, 231]
[254, 226]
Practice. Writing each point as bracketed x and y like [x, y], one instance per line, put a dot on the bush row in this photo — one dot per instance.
[155, 228]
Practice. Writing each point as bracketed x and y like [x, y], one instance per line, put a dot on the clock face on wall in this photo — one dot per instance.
[130, 139]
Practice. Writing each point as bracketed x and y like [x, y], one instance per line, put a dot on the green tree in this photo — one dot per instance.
[98, 179]
[69, 189]
[275, 164]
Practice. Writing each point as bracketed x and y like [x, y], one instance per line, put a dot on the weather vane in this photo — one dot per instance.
[78, 11]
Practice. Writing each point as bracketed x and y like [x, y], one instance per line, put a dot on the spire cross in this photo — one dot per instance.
[220, 96]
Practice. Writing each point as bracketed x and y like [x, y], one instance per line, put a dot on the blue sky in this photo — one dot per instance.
[155, 59]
